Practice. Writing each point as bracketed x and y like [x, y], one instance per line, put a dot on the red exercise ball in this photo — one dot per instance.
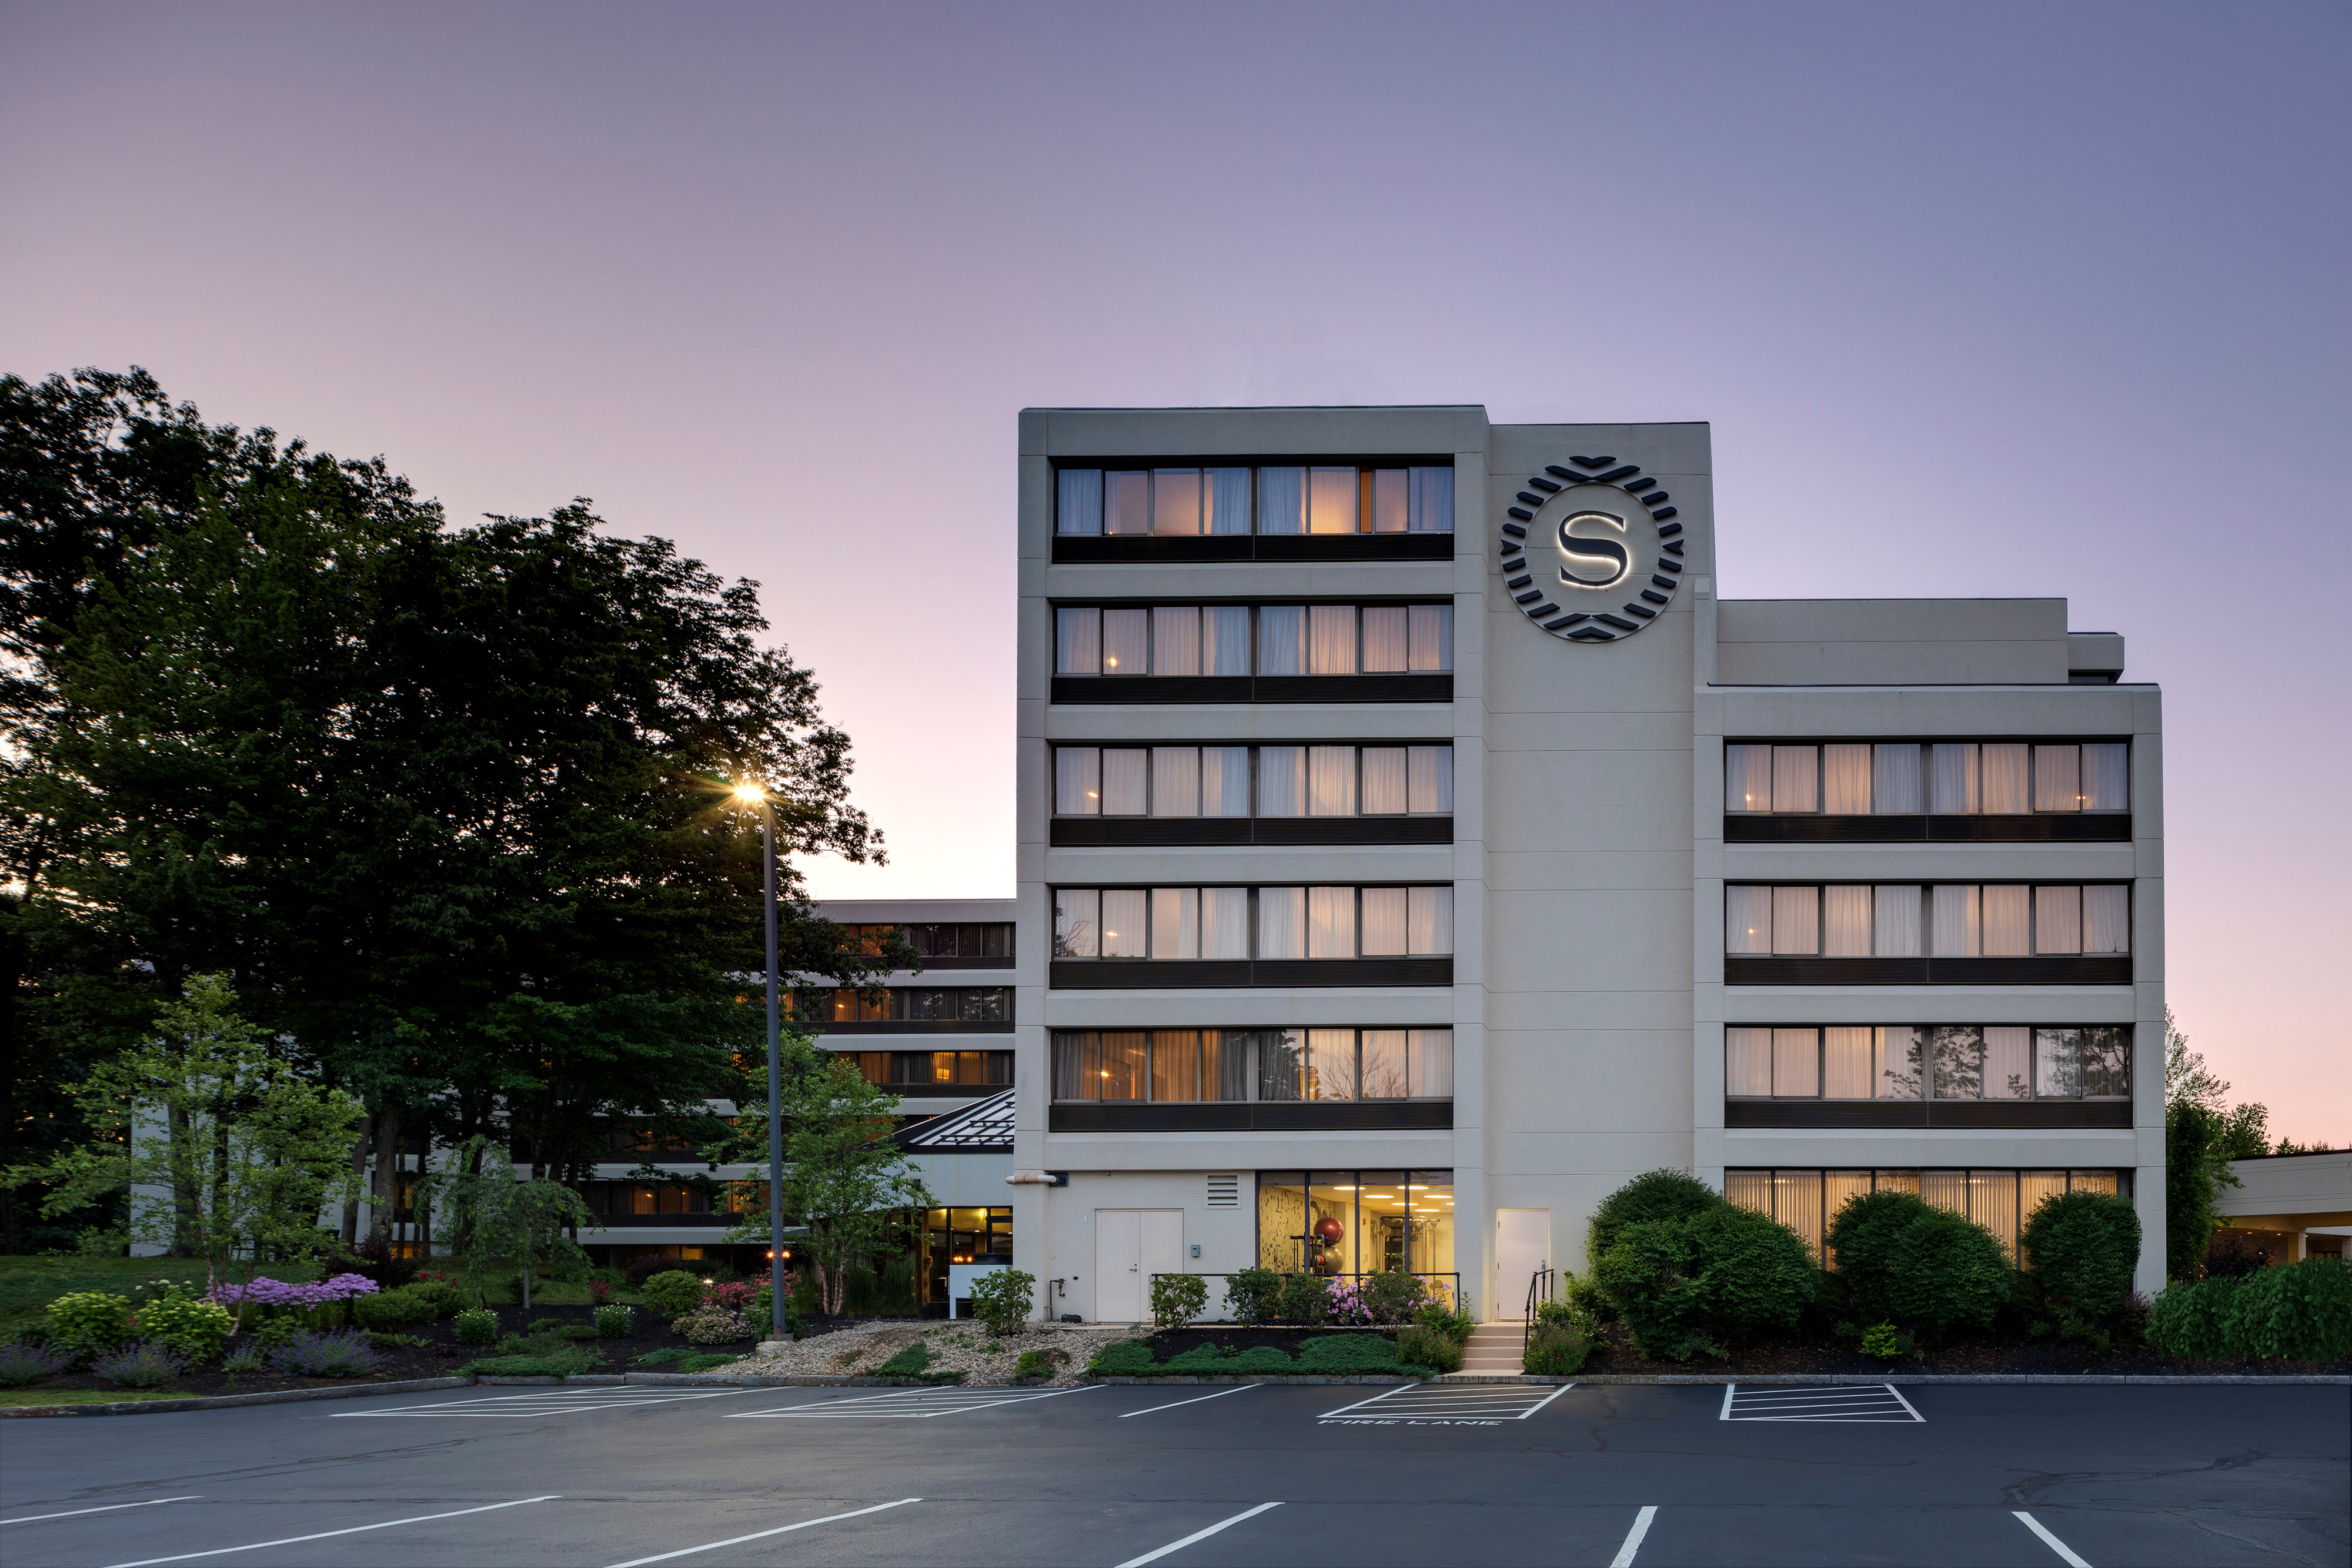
[1329, 1230]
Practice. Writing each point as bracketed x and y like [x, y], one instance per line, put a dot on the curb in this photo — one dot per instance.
[237, 1401]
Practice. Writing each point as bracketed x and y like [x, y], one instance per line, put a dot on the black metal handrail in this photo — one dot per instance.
[1541, 1285]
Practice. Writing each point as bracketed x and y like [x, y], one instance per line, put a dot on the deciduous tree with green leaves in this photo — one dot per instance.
[498, 1217]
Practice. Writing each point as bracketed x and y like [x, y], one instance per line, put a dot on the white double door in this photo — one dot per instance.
[1130, 1246]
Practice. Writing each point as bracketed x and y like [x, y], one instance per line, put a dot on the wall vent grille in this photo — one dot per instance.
[1224, 1192]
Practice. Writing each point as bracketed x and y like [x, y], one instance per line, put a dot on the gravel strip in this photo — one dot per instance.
[965, 1347]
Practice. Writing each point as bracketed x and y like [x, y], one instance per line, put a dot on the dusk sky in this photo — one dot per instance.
[1980, 299]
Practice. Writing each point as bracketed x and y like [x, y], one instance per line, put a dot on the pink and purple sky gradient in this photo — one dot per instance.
[1980, 299]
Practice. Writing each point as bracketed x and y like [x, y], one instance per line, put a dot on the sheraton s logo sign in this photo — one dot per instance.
[1592, 552]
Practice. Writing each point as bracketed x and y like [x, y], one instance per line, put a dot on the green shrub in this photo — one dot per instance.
[673, 1294]
[2301, 1312]
[559, 1363]
[1705, 1280]
[382, 1341]
[88, 1324]
[477, 1325]
[1556, 1350]
[446, 1300]
[1885, 1342]
[614, 1321]
[1862, 1236]
[910, 1364]
[1041, 1362]
[1305, 1299]
[1215, 1361]
[2083, 1247]
[1178, 1299]
[188, 1326]
[393, 1309]
[1647, 1275]
[1455, 1326]
[1650, 1196]
[804, 1304]
[1391, 1296]
[1418, 1346]
[712, 1325]
[1584, 1295]
[1947, 1273]
[1254, 1295]
[1002, 1297]
[1348, 1352]
[1122, 1358]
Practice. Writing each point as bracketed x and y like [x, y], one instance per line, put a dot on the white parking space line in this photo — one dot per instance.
[763, 1534]
[1449, 1404]
[913, 1403]
[1148, 1409]
[553, 1402]
[1624, 1558]
[109, 1508]
[323, 1535]
[2059, 1547]
[1869, 1403]
[1197, 1536]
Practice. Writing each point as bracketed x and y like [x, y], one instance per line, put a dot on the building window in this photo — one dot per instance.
[924, 1004]
[1941, 920]
[1241, 499]
[934, 1070]
[609, 1198]
[1191, 1066]
[960, 1236]
[1193, 923]
[2000, 1200]
[1856, 778]
[1114, 642]
[1940, 1061]
[967, 939]
[1339, 1224]
[1277, 780]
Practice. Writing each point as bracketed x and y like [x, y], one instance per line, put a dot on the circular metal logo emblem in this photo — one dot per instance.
[1592, 552]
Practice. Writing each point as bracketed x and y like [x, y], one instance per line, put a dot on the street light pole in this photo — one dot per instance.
[775, 1083]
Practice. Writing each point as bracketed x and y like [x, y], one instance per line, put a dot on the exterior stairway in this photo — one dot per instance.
[1493, 1348]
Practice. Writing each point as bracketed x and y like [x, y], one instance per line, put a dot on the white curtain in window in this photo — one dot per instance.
[2057, 920]
[2008, 926]
[1224, 782]
[1944, 1189]
[1795, 778]
[1747, 918]
[1176, 501]
[1385, 914]
[1330, 921]
[1430, 784]
[1282, 782]
[1126, 641]
[1796, 1064]
[1430, 927]
[1176, 923]
[2057, 778]
[1385, 794]
[1391, 505]
[1224, 923]
[1385, 639]
[2107, 777]
[1331, 1065]
[1176, 640]
[1747, 778]
[1845, 921]
[1898, 1060]
[1895, 780]
[1845, 1063]
[1432, 509]
[2106, 918]
[1281, 923]
[1795, 920]
[1385, 1064]
[1896, 922]
[1748, 1063]
[1959, 921]
[1432, 638]
[1992, 1203]
[1330, 639]
[1845, 780]
[1750, 1190]
[1078, 781]
[1331, 501]
[1125, 928]
[1797, 1204]
[1123, 782]
[1127, 502]
[1432, 1063]
[1281, 640]
[1955, 780]
[2057, 1064]
[1225, 639]
[2005, 793]
[1226, 501]
[1077, 923]
[1078, 641]
[1175, 780]
[1282, 500]
[2008, 1062]
[1331, 780]
[1080, 511]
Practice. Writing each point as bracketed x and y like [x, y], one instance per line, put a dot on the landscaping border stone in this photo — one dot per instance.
[233, 1401]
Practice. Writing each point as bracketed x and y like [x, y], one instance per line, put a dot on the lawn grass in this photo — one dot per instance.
[28, 1285]
[81, 1396]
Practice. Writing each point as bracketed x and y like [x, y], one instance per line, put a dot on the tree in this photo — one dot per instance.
[844, 1175]
[226, 1153]
[499, 1216]
[2203, 1134]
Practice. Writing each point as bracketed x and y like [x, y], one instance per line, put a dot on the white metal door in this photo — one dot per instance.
[1522, 1246]
[1130, 1246]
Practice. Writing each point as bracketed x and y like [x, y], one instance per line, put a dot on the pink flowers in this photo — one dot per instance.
[734, 1297]
[268, 1292]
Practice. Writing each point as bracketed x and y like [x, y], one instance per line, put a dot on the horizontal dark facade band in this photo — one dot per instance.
[1082, 690]
[911, 1026]
[1088, 832]
[1147, 974]
[706, 1220]
[929, 966]
[1940, 1113]
[1254, 1116]
[2053, 829]
[2056, 970]
[1089, 548]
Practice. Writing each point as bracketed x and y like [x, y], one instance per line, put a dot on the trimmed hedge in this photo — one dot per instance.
[2083, 1247]
[2299, 1312]
[1653, 1196]
[1927, 1269]
[1705, 1281]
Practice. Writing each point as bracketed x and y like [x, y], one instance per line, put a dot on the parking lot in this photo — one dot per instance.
[1114, 1476]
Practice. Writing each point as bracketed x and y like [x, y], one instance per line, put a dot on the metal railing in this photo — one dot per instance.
[1541, 1285]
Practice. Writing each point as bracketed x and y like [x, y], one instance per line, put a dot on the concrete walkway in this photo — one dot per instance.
[1492, 1348]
